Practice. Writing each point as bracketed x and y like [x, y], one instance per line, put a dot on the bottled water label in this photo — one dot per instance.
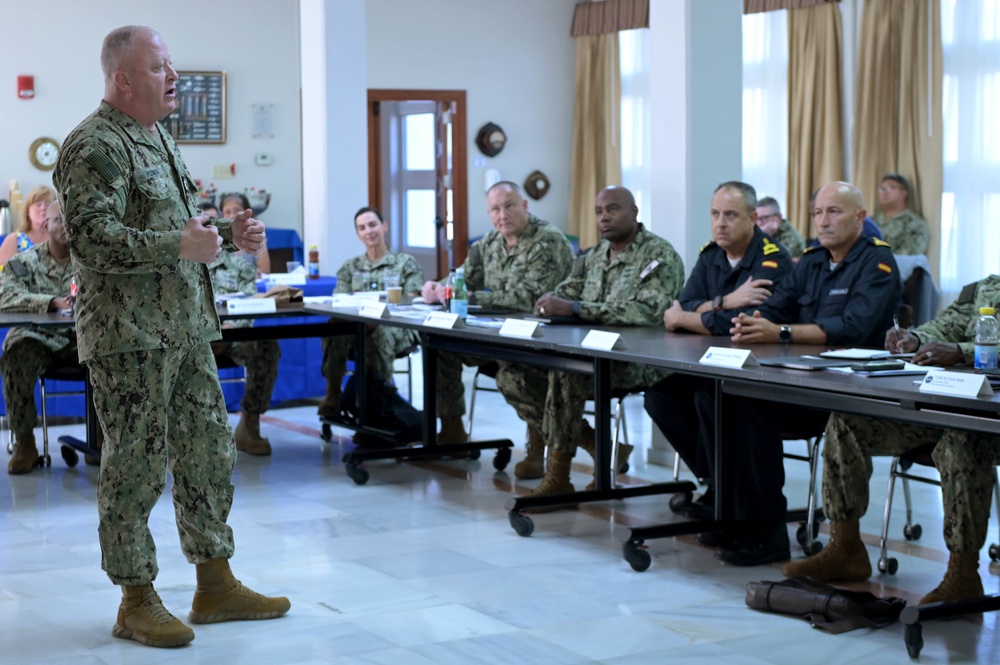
[986, 356]
[461, 307]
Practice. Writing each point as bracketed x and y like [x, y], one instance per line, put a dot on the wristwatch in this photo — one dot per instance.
[576, 308]
[785, 334]
[717, 303]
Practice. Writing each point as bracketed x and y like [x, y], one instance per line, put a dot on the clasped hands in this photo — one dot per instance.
[201, 242]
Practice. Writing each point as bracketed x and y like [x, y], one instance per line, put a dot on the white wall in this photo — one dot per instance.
[254, 41]
[515, 60]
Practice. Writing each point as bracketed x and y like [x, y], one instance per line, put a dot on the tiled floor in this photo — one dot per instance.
[421, 566]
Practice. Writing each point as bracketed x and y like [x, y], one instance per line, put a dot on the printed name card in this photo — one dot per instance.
[374, 310]
[522, 328]
[958, 384]
[603, 340]
[721, 356]
[289, 278]
[251, 306]
[443, 320]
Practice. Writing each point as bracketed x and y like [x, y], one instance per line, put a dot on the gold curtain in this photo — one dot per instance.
[596, 160]
[757, 6]
[607, 16]
[898, 124]
[815, 118]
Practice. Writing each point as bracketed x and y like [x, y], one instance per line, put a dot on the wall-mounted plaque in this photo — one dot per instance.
[200, 116]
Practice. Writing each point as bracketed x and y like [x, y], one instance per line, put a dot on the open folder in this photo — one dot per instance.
[808, 363]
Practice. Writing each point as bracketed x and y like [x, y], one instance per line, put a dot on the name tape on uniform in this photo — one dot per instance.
[251, 306]
[374, 310]
[603, 340]
[959, 384]
[720, 356]
[445, 320]
[522, 328]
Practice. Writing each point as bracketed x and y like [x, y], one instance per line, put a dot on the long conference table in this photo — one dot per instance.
[559, 347]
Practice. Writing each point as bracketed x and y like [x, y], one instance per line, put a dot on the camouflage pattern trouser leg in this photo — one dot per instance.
[554, 401]
[261, 362]
[21, 364]
[162, 411]
[382, 346]
[450, 389]
[964, 459]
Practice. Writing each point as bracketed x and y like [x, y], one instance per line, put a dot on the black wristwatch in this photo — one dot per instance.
[717, 303]
[785, 334]
[576, 308]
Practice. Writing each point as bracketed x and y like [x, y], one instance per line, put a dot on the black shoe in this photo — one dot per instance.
[758, 547]
[717, 538]
[702, 508]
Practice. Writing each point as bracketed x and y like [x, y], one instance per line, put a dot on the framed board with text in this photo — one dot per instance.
[200, 116]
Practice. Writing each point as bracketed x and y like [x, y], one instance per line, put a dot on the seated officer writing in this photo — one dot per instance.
[36, 280]
[626, 280]
[964, 459]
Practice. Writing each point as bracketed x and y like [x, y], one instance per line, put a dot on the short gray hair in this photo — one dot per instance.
[748, 193]
[116, 45]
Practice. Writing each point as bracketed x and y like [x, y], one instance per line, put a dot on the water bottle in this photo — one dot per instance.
[72, 294]
[459, 295]
[449, 288]
[6, 225]
[313, 262]
[987, 338]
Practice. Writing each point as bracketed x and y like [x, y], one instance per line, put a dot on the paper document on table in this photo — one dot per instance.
[353, 299]
[908, 368]
[855, 354]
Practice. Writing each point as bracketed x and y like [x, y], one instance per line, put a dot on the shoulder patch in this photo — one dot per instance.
[880, 243]
[706, 246]
[769, 247]
[769, 264]
[580, 266]
[17, 267]
[103, 165]
[811, 248]
[968, 293]
[884, 267]
[474, 254]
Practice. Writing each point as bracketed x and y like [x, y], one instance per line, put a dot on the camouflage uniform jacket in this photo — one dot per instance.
[232, 273]
[411, 277]
[126, 197]
[790, 237]
[633, 289]
[28, 284]
[516, 278]
[957, 323]
[906, 233]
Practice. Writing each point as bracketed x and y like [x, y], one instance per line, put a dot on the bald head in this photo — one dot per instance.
[839, 216]
[617, 216]
[117, 45]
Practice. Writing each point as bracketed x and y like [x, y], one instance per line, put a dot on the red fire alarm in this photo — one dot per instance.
[26, 87]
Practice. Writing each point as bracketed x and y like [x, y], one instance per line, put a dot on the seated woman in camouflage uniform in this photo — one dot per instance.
[365, 273]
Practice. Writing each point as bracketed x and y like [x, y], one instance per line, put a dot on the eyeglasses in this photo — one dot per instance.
[771, 216]
[889, 188]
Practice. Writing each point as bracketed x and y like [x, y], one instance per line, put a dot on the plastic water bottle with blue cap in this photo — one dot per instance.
[987, 338]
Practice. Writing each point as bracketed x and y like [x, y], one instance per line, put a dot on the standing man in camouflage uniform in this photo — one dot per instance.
[232, 273]
[904, 230]
[145, 320]
[510, 267]
[770, 221]
[628, 279]
[367, 272]
[965, 461]
[36, 280]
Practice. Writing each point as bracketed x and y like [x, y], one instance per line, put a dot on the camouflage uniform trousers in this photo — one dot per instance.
[964, 459]
[260, 359]
[383, 345]
[162, 410]
[553, 402]
[22, 362]
[450, 389]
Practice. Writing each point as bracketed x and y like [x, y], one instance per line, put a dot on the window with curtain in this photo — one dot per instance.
[633, 49]
[970, 204]
[765, 104]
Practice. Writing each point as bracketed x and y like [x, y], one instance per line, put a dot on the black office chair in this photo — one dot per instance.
[73, 373]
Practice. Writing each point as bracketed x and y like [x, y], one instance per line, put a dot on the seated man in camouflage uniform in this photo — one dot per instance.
[36, 280]
[964, 459]
[628, 279]
[232, 273]
[770, 221]
[509, 267]
[367, 272]
[904, 230]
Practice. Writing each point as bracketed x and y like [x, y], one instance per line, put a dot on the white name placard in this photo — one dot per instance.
[520, 328]
[443, 320]
[251, 306]
[374, 310]
[603, 340]
[289, 278]
[720, 356]
[959, 384]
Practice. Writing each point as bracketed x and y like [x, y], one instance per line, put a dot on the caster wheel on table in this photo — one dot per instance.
[637, 556]
[912, 532]
[501, 459]
[523, 525]
[357, 473]
[69, 456]
[890, 565]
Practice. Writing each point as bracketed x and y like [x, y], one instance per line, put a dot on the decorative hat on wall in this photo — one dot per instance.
[490, 139]
[536, 185]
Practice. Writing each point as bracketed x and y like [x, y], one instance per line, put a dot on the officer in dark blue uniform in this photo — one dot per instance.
[735, 272]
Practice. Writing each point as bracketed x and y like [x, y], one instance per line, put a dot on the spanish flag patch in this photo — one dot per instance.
[884, 268]
[769, 264]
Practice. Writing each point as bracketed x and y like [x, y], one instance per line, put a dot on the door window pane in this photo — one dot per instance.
[420, 218]
[418, 142]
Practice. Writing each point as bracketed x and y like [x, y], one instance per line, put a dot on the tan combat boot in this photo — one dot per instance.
[142, 617]
[221, 597]
[25, 456]
[587, 442]
[248, 438]
[961, 581]
[452, 431]
[533, 465]
[556, 480]
[330, 406]
[843, 559]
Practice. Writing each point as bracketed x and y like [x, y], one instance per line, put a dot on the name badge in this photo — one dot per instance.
[720, 356]
[603, 340]
[522, 328]
[958, 384]
[374, 310]
[288, 278]
[445, 320]
[251, 306]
